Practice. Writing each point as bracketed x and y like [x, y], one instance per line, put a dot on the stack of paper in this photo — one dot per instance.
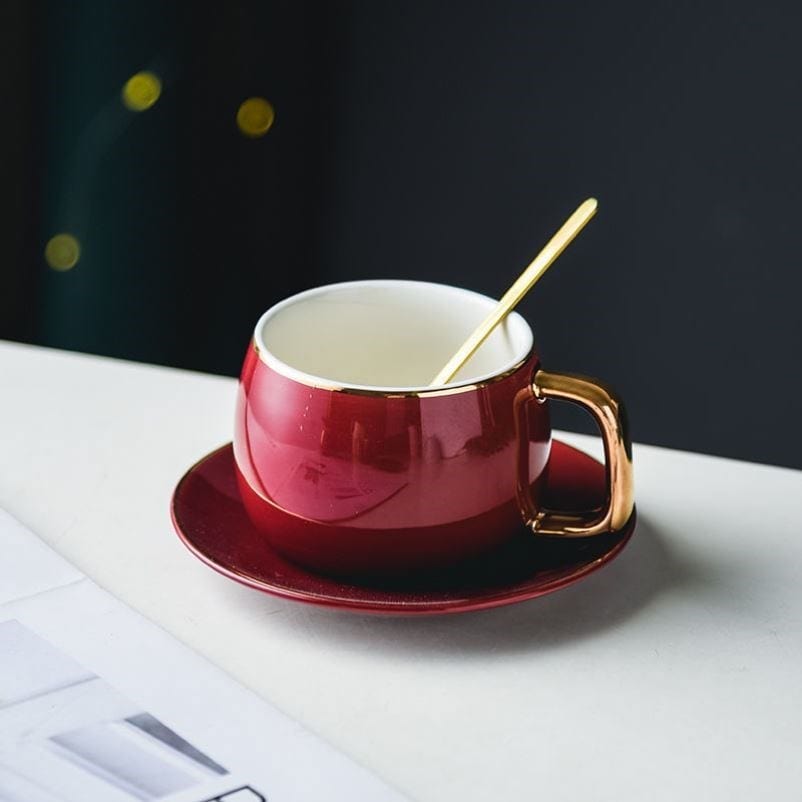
[99, 705]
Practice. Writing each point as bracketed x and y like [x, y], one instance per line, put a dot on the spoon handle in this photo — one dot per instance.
[553, 248]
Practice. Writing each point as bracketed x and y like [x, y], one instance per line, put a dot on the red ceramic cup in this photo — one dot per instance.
[350, 464]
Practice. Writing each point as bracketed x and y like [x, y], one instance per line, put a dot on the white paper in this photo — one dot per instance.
[97, 704]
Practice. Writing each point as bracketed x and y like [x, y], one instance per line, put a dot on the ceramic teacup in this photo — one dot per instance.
[351, 465]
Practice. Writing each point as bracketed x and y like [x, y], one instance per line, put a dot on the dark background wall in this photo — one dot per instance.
[429, 140]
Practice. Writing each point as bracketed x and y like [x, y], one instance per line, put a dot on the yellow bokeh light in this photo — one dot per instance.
[141, 91]
[255, 117]
[62, 252]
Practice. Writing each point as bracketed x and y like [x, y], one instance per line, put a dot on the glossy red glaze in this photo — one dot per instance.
[210, 519]
[362, 483]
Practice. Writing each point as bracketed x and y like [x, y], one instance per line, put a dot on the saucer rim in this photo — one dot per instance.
[394, 608]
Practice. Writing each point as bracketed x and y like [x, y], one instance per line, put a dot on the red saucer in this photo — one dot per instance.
[209, 518]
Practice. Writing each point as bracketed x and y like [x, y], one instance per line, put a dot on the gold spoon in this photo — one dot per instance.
[553, 248]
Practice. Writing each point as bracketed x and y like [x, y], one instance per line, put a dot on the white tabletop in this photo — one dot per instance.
[673, 673]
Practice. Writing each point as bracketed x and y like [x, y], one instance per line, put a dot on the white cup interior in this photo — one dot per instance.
[386, 335]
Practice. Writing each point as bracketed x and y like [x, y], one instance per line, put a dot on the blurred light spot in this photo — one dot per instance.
[255, 116]
[62, 252]
[141, 91]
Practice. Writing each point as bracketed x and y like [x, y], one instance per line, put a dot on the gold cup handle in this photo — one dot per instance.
[608, 411]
